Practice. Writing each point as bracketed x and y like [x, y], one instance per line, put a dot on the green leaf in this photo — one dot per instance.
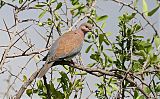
[114, 87]
[95, 57]
[108, 34]
[101, 18]
[153, 11]
[56, 16]
[157, 41]
[141, 53]
[40, 84]
[35, 90]
[39, 5]
[147, 90]
[64, 80]
[137, 27]
[29, 92]
[74, 2]
[75, 7]
[42, 13]
[58, 6]
[80, 73]
[135, 3]
[52, 1]
[37, 58]
[49, 21]
[145, 7]
[91, 65]
[2, 3]
[89, 47]
[108, 58]
[20, 1]
[24, 78]
[89, 34]
[40, 24]
[129, 17]
[135, 94]
[136, 66]
[76, 13]
[103, 25]
[157, 89]
[55, 93]
[101, 38]
[76, 82]
[53, 90]
[44, 90]
[108, 89]
[136, 36]
[140, 97]
[106, 41]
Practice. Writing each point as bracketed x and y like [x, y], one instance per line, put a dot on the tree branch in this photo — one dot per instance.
[94, 71]
[47, 87]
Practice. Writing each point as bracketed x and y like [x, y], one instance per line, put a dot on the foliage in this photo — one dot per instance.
[126, 67]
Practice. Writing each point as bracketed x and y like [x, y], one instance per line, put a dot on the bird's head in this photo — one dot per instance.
[86, 27]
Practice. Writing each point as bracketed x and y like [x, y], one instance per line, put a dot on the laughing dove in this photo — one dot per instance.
[65, 47]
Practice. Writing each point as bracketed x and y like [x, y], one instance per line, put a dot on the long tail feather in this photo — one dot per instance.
[44, 70]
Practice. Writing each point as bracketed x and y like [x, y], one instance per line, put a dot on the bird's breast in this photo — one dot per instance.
[69, 45]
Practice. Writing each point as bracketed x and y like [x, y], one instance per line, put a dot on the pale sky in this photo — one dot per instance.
[103, 7]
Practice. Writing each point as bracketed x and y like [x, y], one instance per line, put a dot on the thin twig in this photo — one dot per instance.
[89, 70]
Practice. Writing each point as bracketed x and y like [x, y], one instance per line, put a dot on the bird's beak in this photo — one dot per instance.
[90, 30]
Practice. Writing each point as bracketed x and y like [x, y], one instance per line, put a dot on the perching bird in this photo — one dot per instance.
[65, 47]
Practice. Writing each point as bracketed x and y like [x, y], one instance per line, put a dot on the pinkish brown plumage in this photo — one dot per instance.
[65, 47]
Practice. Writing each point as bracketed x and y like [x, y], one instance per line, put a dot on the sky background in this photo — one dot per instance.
[103, 7]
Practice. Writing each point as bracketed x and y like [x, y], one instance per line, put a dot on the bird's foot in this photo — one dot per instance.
[72, 62]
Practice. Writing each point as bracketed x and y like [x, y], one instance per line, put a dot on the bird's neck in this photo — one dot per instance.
[80, 33]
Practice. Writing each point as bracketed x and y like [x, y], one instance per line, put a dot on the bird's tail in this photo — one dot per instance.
[44, 70]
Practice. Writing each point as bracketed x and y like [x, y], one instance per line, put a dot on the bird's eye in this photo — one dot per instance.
[86, 26]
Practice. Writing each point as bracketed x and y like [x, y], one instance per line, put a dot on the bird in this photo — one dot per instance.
[65, 47]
